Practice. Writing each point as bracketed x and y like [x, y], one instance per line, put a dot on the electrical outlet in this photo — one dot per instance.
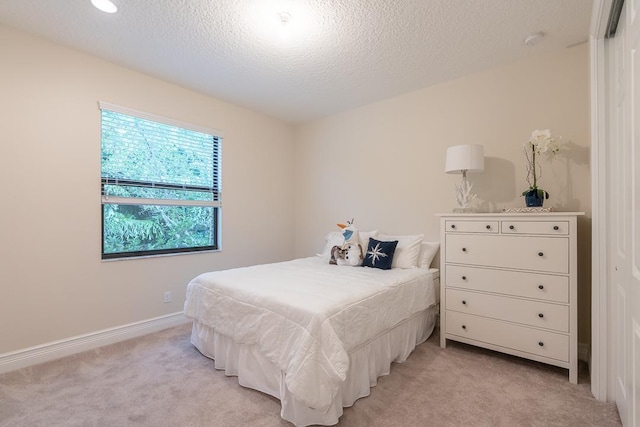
[167, 296]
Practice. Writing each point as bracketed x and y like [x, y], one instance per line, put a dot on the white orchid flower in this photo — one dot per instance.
[540, 135]
[543, 146]
[540, 142]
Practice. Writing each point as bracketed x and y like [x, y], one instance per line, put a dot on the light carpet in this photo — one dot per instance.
[162, 380]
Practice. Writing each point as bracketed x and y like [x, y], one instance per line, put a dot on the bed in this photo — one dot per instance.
[315, 336]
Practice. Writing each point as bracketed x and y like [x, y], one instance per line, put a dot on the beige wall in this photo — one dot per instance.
[384, 163]
[52, 282]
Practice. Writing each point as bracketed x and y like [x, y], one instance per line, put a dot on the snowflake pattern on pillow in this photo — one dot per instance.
[380, 254]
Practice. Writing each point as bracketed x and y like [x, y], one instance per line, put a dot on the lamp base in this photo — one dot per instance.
[464, 196]
[464, 210]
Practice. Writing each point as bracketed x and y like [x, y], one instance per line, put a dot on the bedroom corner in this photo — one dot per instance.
[393, 152]
[54, 285]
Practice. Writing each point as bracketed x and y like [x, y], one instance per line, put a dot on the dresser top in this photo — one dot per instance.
[511, 214]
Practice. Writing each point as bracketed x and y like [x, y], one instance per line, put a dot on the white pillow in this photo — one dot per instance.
[335, 238]
[365, 236]
[428, 252]
[407, 251]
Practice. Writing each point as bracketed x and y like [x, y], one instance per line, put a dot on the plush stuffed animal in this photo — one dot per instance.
[350, 253]
[354, 255]
[350, 234]
[336, 253]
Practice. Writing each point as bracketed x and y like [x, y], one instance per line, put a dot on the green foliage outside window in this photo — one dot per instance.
[175, 171]
[134, 228]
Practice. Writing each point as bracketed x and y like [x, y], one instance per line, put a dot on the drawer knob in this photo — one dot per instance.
[488, 227]
[464, 302]
[464, 326]
[541, 344]
[453, 226]
[540, 254]
[464, 277]
[511, 227]
[555, 227]
[464, 249]
[540, 315]
[540, 286]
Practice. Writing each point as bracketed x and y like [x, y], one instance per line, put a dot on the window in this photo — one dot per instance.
[160, 183]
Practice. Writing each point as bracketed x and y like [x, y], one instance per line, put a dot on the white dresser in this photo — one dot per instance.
[509, 283]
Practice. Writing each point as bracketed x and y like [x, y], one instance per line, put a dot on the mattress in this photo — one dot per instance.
[306, 317]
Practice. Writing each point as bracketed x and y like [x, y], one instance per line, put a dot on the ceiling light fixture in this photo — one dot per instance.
[284, 18]
[106, 6]
[533, 39]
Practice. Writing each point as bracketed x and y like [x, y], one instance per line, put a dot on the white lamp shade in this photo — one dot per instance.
[468, 158]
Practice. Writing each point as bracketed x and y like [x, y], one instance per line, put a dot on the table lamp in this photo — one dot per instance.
[463, 159]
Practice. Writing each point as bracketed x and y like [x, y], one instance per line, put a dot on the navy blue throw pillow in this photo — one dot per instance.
[379, 254]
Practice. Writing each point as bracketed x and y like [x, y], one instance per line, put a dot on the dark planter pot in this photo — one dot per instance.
[532, 200]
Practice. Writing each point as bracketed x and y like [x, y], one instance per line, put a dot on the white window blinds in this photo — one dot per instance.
[160, 184]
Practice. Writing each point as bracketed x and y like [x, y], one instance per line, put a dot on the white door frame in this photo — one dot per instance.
[599, 366]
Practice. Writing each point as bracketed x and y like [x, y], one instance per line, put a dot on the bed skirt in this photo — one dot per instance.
[366, 364]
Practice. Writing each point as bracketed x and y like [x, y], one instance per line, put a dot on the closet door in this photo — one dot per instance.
[624, 193]
[619, 189]
[633, 273]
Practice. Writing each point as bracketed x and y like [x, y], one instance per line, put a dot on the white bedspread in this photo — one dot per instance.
[306, 315]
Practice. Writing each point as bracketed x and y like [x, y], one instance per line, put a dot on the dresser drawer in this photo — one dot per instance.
[533, 313]
[548, 254]
[452, 226]
[517, 283]
[535, 227]
[508, 335]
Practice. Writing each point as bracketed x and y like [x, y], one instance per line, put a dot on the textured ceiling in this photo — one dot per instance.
[339, 54]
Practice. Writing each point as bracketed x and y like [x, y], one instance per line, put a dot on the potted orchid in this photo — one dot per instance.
[540, 143]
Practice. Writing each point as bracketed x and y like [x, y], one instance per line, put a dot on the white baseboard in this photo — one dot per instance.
[57, 349]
